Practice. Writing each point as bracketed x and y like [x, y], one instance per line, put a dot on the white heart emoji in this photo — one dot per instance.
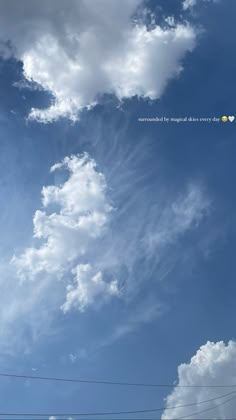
[231, 118]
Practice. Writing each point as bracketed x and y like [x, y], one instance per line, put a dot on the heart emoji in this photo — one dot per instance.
[231, 118]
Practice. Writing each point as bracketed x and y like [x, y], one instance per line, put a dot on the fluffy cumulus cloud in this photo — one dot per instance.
[67, 231]
[79, 51]
[86, 247]
[75, 242]
[75, 215]
[213, 364]
[89, 285]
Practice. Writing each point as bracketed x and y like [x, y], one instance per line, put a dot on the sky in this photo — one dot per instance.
[118, 207]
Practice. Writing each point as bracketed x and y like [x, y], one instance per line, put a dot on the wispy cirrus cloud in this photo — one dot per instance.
[184, 213]
[140, 314]
[87, 247]
[77, 214]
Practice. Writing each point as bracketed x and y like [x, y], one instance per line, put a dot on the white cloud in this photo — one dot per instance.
[143, 313]
[79, 51]
[183, 214]
[213, 363]
[67, 232]
[78, 355]
[76, 216]
[85, 251]
[88, 286]
[188, 4]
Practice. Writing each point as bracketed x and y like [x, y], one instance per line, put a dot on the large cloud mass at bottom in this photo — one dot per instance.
[213, 364]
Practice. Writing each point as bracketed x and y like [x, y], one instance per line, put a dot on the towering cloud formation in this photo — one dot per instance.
[213, 364]
[78, 215]
[81, 255]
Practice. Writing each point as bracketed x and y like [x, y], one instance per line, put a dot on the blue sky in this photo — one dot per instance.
[118, 262]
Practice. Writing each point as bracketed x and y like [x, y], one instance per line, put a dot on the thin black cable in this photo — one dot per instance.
[98, 382]
[113, 413]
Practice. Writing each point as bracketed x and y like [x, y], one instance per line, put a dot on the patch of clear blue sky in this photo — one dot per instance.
[200, 291]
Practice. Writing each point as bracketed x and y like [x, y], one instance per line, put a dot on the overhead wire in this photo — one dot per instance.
[106, 382]
[112, 413]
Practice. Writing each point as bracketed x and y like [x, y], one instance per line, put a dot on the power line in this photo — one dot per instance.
[104, 382]
[118, 412]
